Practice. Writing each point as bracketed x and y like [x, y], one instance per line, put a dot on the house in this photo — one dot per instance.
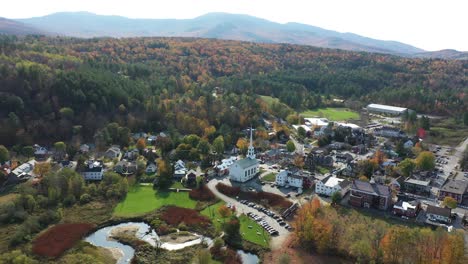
[438, 214]
[179, 165]
[223, 168]
[391, 132]
[93, 171]
[151, 168]
[350, 170]
[66, 164]
[359, 149]
[139, 135]
[126, 167]
[25, 170]
[112, 153]
[131, 154]
[456, 189]
[417, 186]
[408, 209]
[84, 148]
[151, 140]
[245, 169]
[408, 144]
[40, 153]
[318, 158]
[293, 178]
[331, 184]
[191, 178]
[180, 173]
[344, 158]
[367, 195]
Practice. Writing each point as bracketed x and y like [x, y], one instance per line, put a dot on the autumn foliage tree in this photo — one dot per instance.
[141, 144]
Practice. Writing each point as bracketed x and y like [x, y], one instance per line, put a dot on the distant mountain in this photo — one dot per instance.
[213, 25]
[12, 27]
[444, 54]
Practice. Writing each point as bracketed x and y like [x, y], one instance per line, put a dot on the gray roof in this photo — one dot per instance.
[368, 187]
[455, 186]
[418, 182]
[245, 163]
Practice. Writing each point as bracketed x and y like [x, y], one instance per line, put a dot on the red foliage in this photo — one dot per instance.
[175, 215]
[228, 190]
[59, 238]
[274, 200]
[202, 194]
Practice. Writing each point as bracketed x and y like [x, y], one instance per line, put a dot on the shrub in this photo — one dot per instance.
[174, 216]
[85, 198]
[228, 190]
[202, 194]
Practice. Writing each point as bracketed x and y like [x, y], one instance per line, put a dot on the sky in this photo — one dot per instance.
[426, 24]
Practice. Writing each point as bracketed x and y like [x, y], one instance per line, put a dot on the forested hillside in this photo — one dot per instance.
[67, 89]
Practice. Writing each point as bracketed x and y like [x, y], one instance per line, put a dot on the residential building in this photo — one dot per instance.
[25, 170]
[367, 195]
[417, 186]
[331, 184]
[408, 209]
[93, 171]
[386, 109]
[318, 158]
[294, 178]
[245, 169]
[151, 168]
[84, 148]
[131, 154]
[408, 144]
[456, 189]
[386, 131]
[40, 153]
[344, 158]
[179, 165]
[126, 167]
[438, 214]
[113, 152]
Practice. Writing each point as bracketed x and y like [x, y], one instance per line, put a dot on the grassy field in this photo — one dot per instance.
[249, 234]
[143, 199]
[8, 198]
[446, 131]
[270, 177]
[332, 114]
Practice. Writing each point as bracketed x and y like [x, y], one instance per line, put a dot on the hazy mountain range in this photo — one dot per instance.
[212, 25]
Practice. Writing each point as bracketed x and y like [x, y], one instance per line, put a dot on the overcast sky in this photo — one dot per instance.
[427, 24]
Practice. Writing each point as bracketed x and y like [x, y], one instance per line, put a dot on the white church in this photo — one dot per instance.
[245, 169]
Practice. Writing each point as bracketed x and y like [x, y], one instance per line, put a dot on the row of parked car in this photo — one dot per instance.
[263, 223]
[267, 212]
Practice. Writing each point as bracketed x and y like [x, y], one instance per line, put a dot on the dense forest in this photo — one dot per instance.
[68, 89]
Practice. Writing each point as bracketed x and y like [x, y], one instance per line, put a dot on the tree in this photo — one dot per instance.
[406, 167]
[301, 132]
[67, 113]
[224, 211]
[141, 144]
[42, 168]
[203, 257]
[232, 234]
[425, 161]
[16, 257]
[450, 202]
[290, 146]
[4, 154]
[218, 145]
[336, 198]
[242, 145]
[203, 147]
[425, 123]
[27, 151]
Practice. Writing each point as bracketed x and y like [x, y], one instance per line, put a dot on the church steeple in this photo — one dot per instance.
[251, 151]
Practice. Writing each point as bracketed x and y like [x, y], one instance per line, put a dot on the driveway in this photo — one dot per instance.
[276, 241]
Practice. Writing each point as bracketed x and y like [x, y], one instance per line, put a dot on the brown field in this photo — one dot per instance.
[273, 200]
[59, 238]
[175, 215]
[202, 194]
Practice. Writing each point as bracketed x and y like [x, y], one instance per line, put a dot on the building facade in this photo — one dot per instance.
[330, 185]
[455, 189]
[245, 169]
[367, 195]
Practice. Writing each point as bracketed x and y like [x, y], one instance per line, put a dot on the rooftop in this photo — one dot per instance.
[246, 162]
[455, 186]
[417, 182]
[374, 188]
[438, 210]
[387, 107]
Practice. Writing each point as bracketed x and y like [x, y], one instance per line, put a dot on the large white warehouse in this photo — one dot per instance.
[386, 109]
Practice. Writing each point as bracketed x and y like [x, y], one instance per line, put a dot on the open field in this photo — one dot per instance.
[250, 234]
[446, 132]
[95, 212]
[332, 114]
[99, 254]
[57, 239]
[8, 198]
[142, 199]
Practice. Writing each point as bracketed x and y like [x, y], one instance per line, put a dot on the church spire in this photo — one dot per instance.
[251, 151]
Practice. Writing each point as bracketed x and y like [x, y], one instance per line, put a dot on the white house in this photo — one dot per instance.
[245, 169]
[113, 152]
[25, 170]
[84, 148]
[225, 165]
[286, 178]
[408, 144]
[151, 168]
[179, 165]
[331, 184]
[93, 171]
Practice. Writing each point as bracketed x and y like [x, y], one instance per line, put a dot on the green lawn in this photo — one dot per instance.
[270, 177]
[249, 234]
[142, 199]
[322, 170]
[332, 114]
[446, 131]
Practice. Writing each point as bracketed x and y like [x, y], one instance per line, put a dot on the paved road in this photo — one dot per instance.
[276, 241]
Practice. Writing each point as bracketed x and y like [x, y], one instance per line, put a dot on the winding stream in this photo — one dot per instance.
[101, 238]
